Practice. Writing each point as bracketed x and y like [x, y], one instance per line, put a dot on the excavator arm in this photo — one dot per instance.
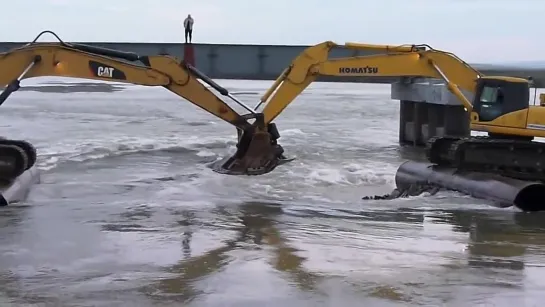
[89, 62]
[257, 150]
[499, 106]
[396, 61]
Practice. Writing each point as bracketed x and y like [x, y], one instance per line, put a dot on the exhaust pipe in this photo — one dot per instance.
[504, 191]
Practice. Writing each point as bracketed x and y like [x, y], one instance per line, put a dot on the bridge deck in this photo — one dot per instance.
[266, 62]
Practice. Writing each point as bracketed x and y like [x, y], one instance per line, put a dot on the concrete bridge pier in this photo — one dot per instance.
[428, 109]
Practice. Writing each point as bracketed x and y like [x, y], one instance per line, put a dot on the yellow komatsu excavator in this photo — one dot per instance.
[501, 105]
[257, 153]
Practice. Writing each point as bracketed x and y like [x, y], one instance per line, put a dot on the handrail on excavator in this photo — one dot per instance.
[387, 48]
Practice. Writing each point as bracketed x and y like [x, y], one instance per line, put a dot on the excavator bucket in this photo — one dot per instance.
[257, 153]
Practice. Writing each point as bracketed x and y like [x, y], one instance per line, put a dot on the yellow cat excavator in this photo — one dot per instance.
[257, 153]
[500, 106]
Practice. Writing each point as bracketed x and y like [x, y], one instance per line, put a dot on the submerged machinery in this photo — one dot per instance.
[17, 170]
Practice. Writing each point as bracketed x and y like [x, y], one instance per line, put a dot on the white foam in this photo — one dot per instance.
[327, 162]
[94, 149]
[352, 174]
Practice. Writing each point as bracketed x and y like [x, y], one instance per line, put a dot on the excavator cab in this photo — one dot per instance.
[498, 96]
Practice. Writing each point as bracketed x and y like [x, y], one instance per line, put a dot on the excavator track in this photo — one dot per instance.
[16, 156]
[520, 159]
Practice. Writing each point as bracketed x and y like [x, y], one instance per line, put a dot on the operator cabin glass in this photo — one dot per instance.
[491, 102]
[499, 98]
[489, 95]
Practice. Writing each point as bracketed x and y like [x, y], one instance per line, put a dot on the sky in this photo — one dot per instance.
[479, 31]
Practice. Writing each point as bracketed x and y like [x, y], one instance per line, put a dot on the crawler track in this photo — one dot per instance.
[518, 159]
[16, 156]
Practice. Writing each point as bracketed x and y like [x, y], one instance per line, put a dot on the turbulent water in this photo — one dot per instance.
[129, 214]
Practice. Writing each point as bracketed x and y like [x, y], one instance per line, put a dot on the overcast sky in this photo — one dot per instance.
[476, 30]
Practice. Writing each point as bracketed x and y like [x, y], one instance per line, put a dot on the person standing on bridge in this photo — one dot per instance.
[188, 25]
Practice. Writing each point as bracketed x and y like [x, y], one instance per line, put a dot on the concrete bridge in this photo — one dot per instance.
[266, 62]
[427, 108]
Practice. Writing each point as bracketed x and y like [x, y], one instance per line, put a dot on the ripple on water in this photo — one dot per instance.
[128, 214]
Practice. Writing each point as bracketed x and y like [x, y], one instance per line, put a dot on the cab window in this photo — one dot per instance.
[491, 95]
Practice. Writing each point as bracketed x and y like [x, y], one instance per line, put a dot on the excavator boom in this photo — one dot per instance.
[398, 61]
[498, 105]
[77, 61]
[257, 151]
